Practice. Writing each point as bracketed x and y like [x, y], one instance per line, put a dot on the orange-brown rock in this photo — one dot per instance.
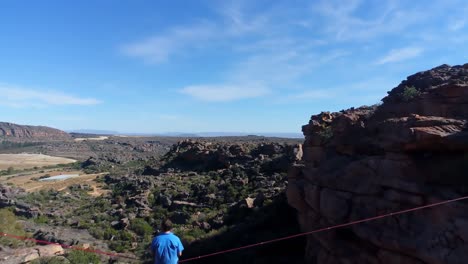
[12, 131]
[410, 151]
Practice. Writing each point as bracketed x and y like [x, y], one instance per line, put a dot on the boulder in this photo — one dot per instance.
[26, 255]
[249, 202]
[50, 250]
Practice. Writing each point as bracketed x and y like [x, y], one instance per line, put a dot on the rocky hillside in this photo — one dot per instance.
[410, 151]
[212, 191]
[190, 155]
[16, 132]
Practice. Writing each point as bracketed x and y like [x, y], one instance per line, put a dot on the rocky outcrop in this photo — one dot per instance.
[12, 131]
[201, 156]
[9, 198]
[410, 151]
[26, 255]
[9, 194]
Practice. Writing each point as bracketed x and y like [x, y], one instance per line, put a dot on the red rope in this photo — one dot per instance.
[247, 246]
[326, 229]
[97, 251]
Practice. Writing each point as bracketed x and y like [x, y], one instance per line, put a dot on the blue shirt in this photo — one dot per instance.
[166, 248]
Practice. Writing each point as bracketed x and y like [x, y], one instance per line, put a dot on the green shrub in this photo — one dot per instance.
[141, 227]
[110, 233]
[49, 260]
[212, 188]
[10, 226]
[410, 93]
[120, 246]
[42, 219]
[80, 256]
[326, 132]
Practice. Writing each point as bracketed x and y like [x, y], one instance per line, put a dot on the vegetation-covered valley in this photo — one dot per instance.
[220, 193]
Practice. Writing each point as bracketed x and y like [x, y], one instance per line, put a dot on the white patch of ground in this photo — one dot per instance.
[92, 139]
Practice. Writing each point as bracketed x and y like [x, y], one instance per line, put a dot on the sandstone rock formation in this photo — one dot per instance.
[12, 131]
[410, 151]
[190, 155]
[26, 255]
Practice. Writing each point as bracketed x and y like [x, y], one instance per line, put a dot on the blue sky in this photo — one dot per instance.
[190, 66]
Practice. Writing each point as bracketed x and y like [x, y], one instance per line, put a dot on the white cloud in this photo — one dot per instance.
[280, 45]
[14, 96]
[458, 24]
[368, 91]
[271, 68]
[396, 55]
[224, 93]
[341, 20]
[158, 49]
[260, 73]
[238, 21]
[235, 23]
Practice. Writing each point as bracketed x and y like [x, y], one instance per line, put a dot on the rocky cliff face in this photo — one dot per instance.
[410, 151]
[19, 132]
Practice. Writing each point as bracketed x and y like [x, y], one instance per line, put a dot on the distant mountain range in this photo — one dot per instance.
[237, 134]
[185, 134]
[94, 132]
[9, 130]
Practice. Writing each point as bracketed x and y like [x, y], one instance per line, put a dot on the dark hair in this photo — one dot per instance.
[166, 225]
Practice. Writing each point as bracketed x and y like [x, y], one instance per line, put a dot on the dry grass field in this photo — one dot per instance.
[27, 161]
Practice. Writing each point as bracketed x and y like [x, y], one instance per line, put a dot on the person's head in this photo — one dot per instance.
[166, 225]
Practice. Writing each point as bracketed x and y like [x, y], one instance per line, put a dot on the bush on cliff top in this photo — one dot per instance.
[410, 93]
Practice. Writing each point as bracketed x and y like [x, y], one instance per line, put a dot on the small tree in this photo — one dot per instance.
[410, 93]
[141, 227]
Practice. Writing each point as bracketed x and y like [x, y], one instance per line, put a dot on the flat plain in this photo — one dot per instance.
[27, 161]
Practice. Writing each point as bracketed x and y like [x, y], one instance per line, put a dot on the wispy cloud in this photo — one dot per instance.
[273, 67]
[14, 96]
[233, 24]
[224, 93]
[159, 48]
[239, 22]
[280, 46]
[368, 91]
[457, 24]
[396, 55]
[341, 20]
[261, 73]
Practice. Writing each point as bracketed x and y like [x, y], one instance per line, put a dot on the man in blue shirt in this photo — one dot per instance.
[166, 247]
